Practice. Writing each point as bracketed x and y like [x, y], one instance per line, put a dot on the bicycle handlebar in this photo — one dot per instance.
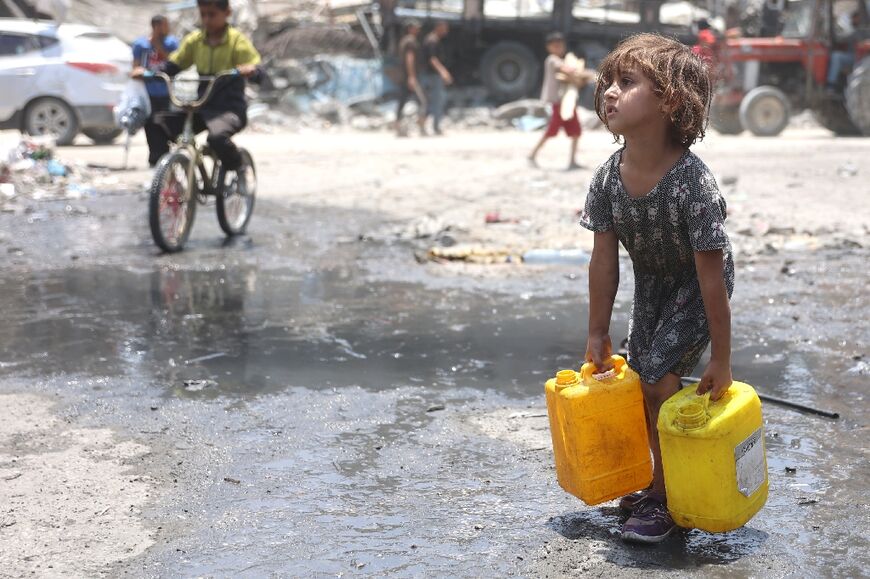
[205, 95]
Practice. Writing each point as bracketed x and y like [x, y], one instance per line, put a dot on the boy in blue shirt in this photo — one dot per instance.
[151, 52]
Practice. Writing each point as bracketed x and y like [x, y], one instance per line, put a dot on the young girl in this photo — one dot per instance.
[661, 202]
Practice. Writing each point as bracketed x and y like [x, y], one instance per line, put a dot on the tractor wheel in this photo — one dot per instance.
[726, 120]
[764, 111]
[831, 113]
[858, 96]
[509, 70]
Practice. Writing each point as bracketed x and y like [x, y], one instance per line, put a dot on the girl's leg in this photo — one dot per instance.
[650, 521]
[654, 395]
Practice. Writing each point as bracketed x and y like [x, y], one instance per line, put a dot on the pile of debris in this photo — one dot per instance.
[323, 93]
[313, 41]
[31, 172]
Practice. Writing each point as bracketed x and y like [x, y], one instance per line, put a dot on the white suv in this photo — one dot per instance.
[61, 79]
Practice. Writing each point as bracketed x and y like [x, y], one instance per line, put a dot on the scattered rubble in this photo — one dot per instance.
[315, 41]
[322, 93]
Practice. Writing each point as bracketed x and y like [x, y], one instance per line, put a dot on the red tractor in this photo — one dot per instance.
[762, 81]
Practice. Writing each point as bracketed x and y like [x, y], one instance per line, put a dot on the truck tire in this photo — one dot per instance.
[831, 114]
[726, 120]
[764, 111]
[858, 96]
[509, 71]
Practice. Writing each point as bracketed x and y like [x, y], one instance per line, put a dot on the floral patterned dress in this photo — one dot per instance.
[684, 213]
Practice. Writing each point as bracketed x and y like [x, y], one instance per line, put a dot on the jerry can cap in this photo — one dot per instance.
[565, 378]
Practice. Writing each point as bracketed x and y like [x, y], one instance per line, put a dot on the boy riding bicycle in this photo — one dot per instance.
[217, 47]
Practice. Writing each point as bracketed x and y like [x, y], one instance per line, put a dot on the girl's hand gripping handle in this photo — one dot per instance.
[613, 367]
[715, 380]
[599, 349]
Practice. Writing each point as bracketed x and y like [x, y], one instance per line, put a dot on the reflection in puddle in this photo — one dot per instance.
[249, 331]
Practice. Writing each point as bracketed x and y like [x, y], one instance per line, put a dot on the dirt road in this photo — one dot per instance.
[311, 400]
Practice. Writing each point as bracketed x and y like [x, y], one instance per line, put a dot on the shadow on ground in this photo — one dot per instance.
[682, 550]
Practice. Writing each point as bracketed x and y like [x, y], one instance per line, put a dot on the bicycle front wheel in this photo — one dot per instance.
[235, 200]
[172, 203]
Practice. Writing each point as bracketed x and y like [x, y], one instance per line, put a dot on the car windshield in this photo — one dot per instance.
[798, 20]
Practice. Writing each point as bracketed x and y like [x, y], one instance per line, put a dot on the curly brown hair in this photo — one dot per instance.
[679, 78]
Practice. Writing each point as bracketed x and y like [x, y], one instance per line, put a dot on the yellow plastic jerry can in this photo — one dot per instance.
[713, 458]
[599, 432]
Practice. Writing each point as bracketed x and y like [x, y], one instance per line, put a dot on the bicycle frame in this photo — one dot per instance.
[171, 210]
[187, 139]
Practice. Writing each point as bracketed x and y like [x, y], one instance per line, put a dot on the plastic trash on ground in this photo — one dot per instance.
[134, 108]
[556, 256]
[529, 123]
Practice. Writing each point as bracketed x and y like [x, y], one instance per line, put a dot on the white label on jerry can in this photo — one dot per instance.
[749, 459]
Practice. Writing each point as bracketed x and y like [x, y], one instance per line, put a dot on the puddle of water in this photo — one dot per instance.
[344, 369]
[247, 332]
[242, 331]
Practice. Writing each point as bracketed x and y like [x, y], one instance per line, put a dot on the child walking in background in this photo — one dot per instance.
[551, 93]
[662, 203]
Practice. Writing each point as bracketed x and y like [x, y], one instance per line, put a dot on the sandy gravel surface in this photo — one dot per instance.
[70, 498]
[72, 494]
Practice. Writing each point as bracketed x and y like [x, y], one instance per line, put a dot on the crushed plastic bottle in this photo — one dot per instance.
[556, 256]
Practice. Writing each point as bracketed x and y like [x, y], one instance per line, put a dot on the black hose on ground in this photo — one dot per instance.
[779, 402]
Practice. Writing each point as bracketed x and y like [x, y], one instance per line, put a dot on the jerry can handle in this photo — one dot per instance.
[588, 370]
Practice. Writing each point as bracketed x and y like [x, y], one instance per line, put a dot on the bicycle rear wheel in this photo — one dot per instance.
[234, 205]
[172, 203]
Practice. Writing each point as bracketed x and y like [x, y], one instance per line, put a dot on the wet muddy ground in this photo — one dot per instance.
[302, 403]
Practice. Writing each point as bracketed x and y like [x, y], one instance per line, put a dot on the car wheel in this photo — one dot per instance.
[51, 117]
[103, 136]
[765, 111]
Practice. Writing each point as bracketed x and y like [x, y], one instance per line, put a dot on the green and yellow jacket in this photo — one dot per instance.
[234, 50]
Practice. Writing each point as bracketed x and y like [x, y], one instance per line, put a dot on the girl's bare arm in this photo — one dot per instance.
[710, 266]
[603, 283]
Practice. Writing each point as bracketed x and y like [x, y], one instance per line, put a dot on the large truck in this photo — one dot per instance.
[499, 44]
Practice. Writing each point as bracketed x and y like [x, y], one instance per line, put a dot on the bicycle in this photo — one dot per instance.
[190, 173]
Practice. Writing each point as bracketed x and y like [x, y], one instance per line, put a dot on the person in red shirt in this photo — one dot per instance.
[708, 45]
